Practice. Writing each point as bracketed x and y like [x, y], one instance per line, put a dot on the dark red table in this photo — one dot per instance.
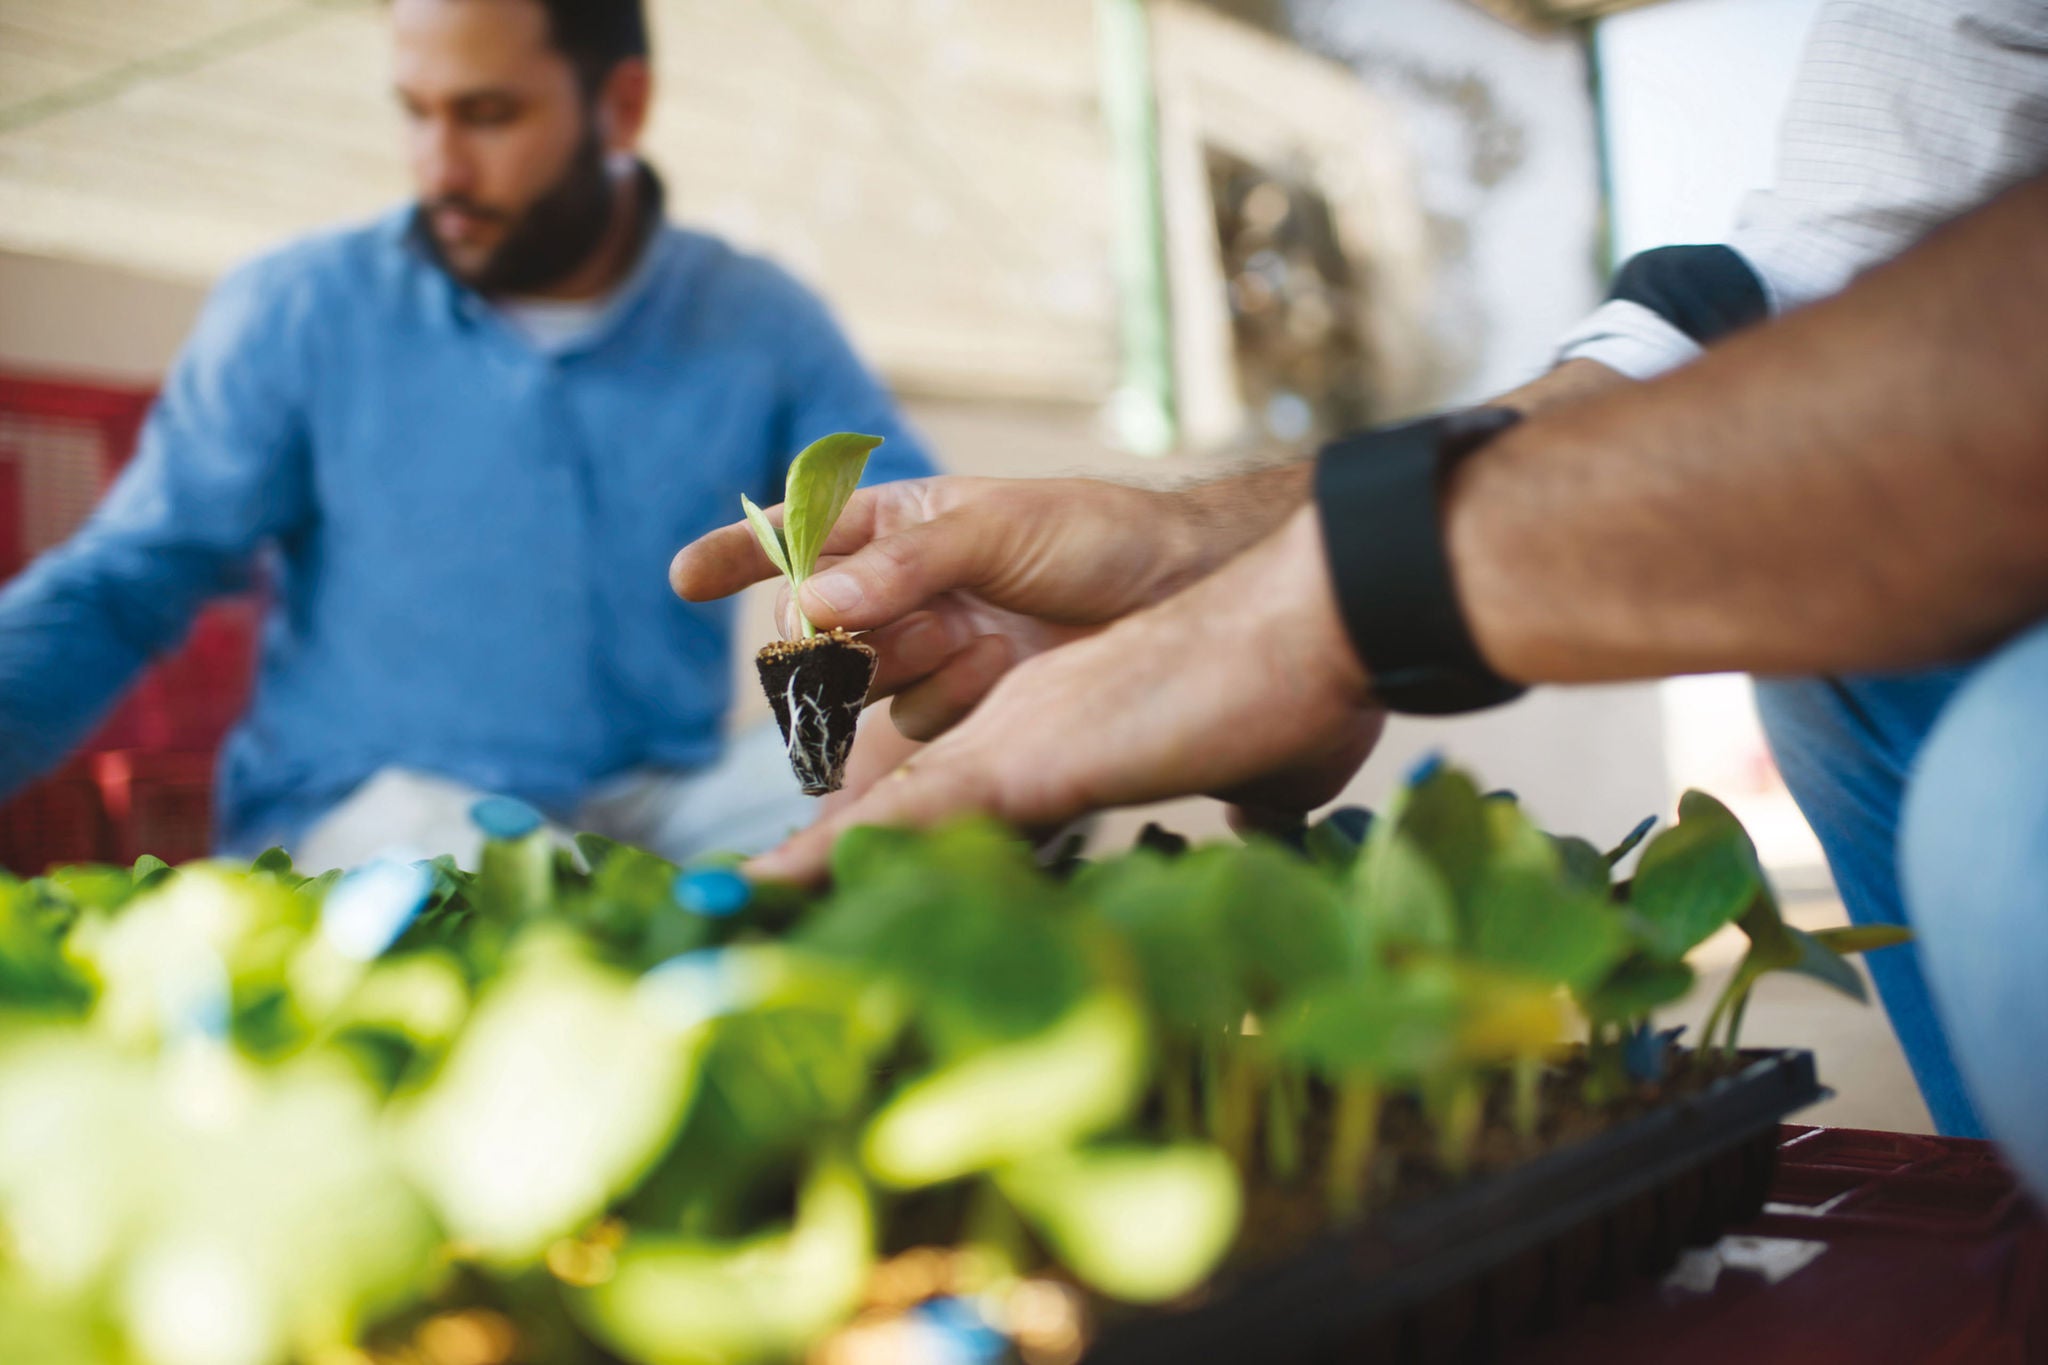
[1875, 1248]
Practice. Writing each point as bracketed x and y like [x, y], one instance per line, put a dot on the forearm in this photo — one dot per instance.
[1567, 383]
[1224, 517]
[65, 657]
[1860, 486]
[1229, 515]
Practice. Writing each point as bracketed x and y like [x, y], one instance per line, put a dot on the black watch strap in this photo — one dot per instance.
[1378, 494]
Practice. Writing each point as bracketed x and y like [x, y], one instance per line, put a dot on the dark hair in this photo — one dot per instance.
[596, 35]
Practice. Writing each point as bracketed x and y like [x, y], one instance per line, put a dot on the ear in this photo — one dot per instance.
[623, 103]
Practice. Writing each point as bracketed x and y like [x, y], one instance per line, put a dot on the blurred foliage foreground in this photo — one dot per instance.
[583, 1105]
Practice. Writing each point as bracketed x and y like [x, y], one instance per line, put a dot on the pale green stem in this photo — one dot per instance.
[1283, 1134]
[1528, 1083]
[1353, 1143]
[1210, 1057]
[1457, 1107]
[1177, 1081]
[1242, 1071]
[1735, 1023]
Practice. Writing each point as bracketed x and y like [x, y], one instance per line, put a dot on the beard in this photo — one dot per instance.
[555, 235]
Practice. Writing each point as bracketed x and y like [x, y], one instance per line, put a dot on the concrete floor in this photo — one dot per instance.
[1854, 1048]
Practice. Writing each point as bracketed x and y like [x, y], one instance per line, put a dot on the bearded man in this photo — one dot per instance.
[460, 443]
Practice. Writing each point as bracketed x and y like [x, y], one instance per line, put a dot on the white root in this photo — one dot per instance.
[813, 757]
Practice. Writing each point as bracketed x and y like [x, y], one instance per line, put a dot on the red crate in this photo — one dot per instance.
[61, 445]
[190, 699]
[13, 550]
[59, 820]
[1920, 1249]
[160, 803]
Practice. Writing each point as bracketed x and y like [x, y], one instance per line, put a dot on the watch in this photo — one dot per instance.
[1379, 496]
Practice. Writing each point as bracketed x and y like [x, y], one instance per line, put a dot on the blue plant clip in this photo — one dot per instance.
[505, 817]
[713, 892]
[1353, 822]
[1645, 1052]
[968, 1339]
[1428, 766]
[369, 908]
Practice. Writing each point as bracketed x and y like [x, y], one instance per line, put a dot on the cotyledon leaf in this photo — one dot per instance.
[765, 532]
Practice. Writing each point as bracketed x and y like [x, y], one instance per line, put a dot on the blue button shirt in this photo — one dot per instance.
[467, 538]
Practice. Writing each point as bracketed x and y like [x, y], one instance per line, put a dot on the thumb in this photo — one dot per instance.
[889, 578]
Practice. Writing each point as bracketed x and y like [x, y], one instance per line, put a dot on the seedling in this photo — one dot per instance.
[1109, 1081]
[817, 684]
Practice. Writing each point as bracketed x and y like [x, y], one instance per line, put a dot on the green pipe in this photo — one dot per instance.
[1145, 410]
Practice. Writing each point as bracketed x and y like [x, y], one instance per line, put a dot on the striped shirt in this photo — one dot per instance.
[1905, 114]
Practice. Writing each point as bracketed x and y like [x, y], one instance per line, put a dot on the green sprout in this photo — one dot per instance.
[1087, 1076]
[821, 482]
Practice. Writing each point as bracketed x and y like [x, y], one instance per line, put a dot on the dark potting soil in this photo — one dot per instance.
[818, 688]
[1448, 1267]
[1445, 1268]
[1405, 1169]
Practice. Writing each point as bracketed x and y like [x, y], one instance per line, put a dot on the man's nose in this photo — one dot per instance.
[440, 162]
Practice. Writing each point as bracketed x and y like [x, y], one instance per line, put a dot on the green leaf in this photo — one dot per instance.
[765, 532]
[674, 1301]
[1012, 1101]
[277, 1203]
[596, 850]
[821, 482]
[1445, 817]
[1823, 964]
[1695, 877]
[1526, 916]
[559, 1094]
[1529, 922]
[1139, 1224]
[1863, 938]
[1282, 918]
[272, 860]
[1504, 1016]
[962, 923]
[1636, 988]
[1400, 895]
[1391, 1031]
[1584, 865]
[1156, 904]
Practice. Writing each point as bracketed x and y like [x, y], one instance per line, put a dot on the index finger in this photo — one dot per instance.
[719, 565]
[730, 558]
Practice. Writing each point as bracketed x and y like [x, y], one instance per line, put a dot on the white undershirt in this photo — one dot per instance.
[554, 325]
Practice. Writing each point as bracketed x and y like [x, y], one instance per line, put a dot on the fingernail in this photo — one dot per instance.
[835, 591]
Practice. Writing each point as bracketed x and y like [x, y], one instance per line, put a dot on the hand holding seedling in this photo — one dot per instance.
[960, 579]
[1242, 686]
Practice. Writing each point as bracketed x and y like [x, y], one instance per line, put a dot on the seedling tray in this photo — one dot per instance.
[1457, 1276]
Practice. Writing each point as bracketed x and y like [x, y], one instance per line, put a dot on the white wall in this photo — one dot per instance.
[1692, 91]
[1502, 129]
[1692, 94]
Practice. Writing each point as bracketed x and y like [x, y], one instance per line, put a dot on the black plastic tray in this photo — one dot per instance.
[1458, 1276]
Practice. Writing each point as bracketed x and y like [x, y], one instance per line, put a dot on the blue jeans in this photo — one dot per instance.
[1929, 793]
